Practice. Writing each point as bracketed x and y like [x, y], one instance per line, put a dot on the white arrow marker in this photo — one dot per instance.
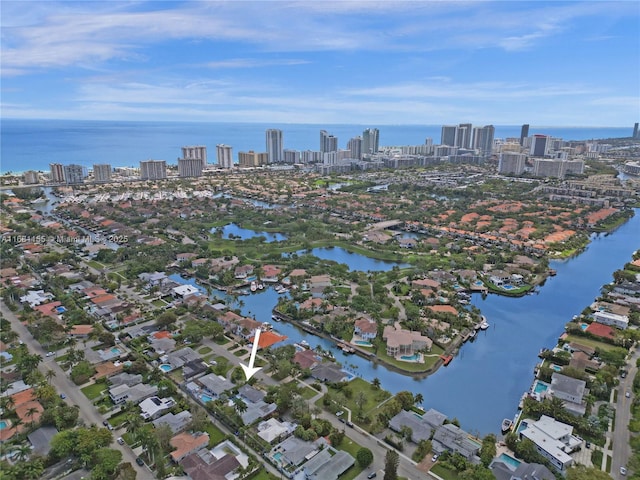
[250, 371]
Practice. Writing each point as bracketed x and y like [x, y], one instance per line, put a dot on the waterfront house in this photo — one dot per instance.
[524, 471]
[366, 329]
[612, 319]
[402, 342]
[571, 391]
[329, 372]
[600, 330]
[243, 271]
[184, 291]
[270, 274]
[306, 358]
[450, 438]
[153, 279]
[554, 440]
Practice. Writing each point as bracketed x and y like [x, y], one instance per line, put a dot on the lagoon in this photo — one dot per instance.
[484, 382]
[355, 261]
[234, 231]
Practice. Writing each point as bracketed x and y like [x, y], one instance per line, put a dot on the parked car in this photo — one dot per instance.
[372, 475]
[587, 444]
[623, 471]
[120, 441]
[350, 424]
[139, 461]
[627, 394]
[434, 458]
[63, 396]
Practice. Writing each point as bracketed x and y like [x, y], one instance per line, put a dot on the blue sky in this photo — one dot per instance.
[386, 62]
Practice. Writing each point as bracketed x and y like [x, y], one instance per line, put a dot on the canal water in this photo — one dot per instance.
[484, 383]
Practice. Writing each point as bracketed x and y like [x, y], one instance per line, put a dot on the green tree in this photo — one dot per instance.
[488, 450]
[580, 472]
[391, 461]
[105, 463]
[364, 456]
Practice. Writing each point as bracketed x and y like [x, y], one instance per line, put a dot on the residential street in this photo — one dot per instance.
[63, 384]
[620, 435]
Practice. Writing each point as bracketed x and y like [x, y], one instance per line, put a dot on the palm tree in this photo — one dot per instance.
[49, 375]
[418, 399]
[22, 452]
[31, 412]
[376, 383]
[240, 406]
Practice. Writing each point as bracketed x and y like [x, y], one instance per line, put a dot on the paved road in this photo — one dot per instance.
[620, 436]
[63, 384]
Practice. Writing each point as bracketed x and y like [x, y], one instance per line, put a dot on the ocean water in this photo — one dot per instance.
[34, 144]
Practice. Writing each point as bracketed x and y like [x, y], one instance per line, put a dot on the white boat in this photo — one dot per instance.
[506, 425]
[484, 324]
[275, 318]
[254, 286]
[260, 286]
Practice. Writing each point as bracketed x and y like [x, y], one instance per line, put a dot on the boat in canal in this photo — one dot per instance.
[506, 425]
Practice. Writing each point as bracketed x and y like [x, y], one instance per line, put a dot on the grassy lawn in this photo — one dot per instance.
[159, 303]
[429, 361]
[308, 393]
[215, 435]
[351, 448]
[589, 342]
[373, 396]
[240, 352]
[204, 350]
[94, 391]
[96, 265]
[118, 419]
[264, 475]
[444, 473]
[221, 340]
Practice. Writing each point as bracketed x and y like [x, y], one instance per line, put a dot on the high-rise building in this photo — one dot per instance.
[153, 169]
[540, 145]
[524, 133]
[328, 143]
[464, 135]
[102, 172]
[511, 163]
[189, 167]
[355, 145]
[291, 156]
[370, 141]
[543, 167]
[57, 172]
[636, 133]
[74, 174]
[225, 155]
[449, 135]
[197, 151]
[30, 177]
[275, 147]
[252, 159]
[483, 139]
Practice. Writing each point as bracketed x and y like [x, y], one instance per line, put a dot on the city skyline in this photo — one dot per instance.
[498, 63]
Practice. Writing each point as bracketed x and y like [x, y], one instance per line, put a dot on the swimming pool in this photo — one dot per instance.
[363, 343]
[165, 367]
[205, 398]
[277, 456]
[540, 387]
[584, 326]
[410, 358]
[61, 309]
[116, 351]
[508, 460]
[478, 283]
[556, 368]
[3, 424]
[508, 287]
